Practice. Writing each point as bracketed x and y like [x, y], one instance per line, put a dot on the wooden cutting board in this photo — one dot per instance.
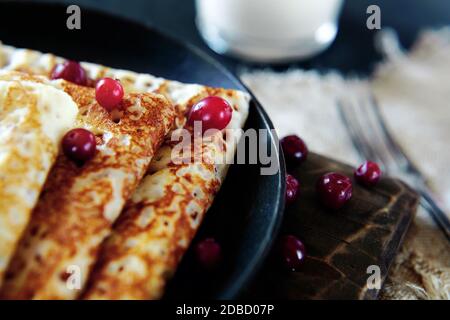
[341, 244]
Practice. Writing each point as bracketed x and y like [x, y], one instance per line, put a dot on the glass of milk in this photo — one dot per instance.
[268, 30]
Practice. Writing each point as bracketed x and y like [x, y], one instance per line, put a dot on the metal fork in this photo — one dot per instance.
[371, 138]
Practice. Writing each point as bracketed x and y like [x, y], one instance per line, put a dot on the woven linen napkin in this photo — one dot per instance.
[413, 90]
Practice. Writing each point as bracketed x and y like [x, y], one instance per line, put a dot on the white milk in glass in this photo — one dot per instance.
[268, 30]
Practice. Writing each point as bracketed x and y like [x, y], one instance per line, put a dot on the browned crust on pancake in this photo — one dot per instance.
[24, 167]
[172, 229]
[169, 230]
[70, 218]
[181, 224]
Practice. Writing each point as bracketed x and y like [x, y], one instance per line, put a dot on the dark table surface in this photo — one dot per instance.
[352, 52]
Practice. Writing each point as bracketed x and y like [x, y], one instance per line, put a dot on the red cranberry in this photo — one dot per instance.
[214, 113]
[368, 174]
[109, 93]
[79, 145]
[70, 71]
[294, 149]
[292, 252]
[292, 188]
[208, 253]
[334, 190]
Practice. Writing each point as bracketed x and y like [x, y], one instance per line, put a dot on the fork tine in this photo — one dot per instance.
[377, 140]
[394, 148]
[345, 114]
[372, 139]
[367, 132]
[355, 124]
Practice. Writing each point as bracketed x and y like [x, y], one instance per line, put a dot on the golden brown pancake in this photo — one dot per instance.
[33, 119]
[160, 220]
[79, 204]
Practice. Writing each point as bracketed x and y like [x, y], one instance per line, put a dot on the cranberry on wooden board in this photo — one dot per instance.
[292, 188]
[334, 190]
[109, 93]
[213, 112]
[294, 149]
[79, 145]
[208, 253]
[71, 71]
[292, 252]
[368, 174]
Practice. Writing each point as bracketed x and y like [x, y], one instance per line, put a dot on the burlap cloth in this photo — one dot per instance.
[414, 93]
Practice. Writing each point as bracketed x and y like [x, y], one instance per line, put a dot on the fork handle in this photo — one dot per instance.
[435, 211]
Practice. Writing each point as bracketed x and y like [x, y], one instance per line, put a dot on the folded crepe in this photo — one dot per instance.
[79, 204]
[163, 215]
[33, 119]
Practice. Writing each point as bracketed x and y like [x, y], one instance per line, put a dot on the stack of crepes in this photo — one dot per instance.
[116, 227]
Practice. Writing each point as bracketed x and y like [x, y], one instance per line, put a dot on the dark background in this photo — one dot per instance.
[352, 52]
